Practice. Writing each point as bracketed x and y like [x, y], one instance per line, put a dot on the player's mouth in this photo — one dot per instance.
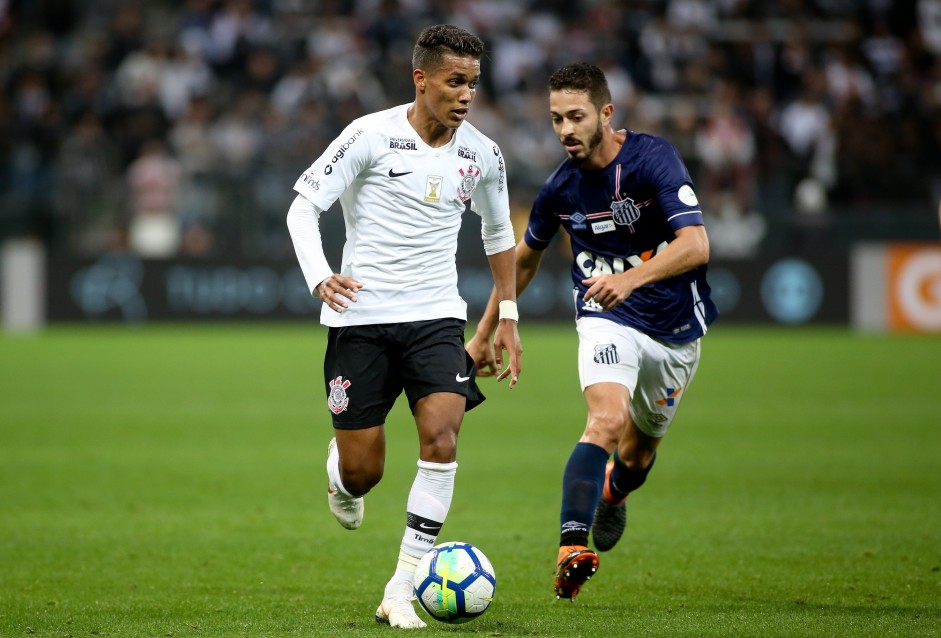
[571, 145]
[460, 113]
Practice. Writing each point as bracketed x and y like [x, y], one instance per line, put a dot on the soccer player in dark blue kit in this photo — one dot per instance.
[642, 304]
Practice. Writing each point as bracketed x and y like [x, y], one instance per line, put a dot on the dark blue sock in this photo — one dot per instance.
[582, 483]
[624, 480]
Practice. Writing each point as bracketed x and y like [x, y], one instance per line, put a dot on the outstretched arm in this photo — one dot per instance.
[489, 359]
[503, 265]
[335, 290]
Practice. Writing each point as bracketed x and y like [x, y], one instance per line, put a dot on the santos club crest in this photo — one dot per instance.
[337, 400]
[625, 212]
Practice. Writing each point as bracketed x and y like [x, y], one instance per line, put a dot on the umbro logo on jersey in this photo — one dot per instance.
[392, 173]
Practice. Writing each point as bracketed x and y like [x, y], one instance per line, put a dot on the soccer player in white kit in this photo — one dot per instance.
[642, 303]
[404, 178]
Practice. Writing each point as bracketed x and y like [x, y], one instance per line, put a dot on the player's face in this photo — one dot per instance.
[577, 122]
[448, 90]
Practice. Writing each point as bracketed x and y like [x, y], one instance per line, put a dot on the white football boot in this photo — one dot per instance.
[396, 607]
[348, 510]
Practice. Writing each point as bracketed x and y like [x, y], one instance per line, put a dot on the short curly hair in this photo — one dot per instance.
[437, 41]
[582, 76]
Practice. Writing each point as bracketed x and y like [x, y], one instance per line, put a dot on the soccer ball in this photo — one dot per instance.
[455, 582]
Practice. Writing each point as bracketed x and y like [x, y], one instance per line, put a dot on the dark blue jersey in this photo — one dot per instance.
[620, 217]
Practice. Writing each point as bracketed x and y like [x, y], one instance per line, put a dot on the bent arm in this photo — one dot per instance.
[689, 250]
[304, 226]
[333, 289]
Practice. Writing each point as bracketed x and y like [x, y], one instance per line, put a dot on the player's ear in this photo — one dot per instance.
[606, 112]
[418, 76]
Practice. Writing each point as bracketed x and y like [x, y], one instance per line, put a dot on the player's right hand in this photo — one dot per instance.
[338, 291]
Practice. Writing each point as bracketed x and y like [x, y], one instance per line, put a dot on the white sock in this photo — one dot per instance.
[428, 503]
[333, 473]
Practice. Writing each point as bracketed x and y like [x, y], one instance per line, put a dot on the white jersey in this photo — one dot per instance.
[402, 204]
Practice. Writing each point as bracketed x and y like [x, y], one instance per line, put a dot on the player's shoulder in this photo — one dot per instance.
[471, 136]
[559, 179]
[651, 155]
[378, 123]
[648, 143]
[647, 146]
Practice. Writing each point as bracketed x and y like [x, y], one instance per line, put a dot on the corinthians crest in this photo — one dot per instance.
[337, 400]
[625, 212]
[468, 183]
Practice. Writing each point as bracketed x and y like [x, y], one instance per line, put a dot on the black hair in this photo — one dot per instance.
[437, 41]
[582, 76]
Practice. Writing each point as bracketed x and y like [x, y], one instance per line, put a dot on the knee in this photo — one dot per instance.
[439, 446]
[604, 429]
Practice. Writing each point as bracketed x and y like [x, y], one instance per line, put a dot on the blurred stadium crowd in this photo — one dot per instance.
[178, 127]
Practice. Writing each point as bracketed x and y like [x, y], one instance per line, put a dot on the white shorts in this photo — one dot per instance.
[657, 373]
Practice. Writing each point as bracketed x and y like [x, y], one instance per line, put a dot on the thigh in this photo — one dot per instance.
[360, 376]
[434, 360]
[665, 374]
[607, 353]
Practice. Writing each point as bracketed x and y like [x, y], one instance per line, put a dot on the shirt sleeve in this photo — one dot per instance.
[675, 192]
[492, 202]
[543, 225]
[304, 226]
[334, 171]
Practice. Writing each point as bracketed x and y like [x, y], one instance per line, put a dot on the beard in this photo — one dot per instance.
[590, 147]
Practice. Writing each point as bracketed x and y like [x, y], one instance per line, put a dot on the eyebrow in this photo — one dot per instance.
[461, 75]
[570, 112]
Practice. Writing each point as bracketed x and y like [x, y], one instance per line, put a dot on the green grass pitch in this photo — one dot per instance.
[168, 482]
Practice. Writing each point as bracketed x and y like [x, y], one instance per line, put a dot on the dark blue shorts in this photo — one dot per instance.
[366, 368]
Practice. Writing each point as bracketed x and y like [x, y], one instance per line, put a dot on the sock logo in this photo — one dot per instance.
[574, 526]
[423, 525]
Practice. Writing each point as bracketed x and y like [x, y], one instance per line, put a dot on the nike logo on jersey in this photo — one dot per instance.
[461, 379]
[392, 173]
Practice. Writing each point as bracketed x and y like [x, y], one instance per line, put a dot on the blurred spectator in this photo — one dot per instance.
[806, 125]
[153, 181]
[191, 142]
[87, 193]
[725, 147]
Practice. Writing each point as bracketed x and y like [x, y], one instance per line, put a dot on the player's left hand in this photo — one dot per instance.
[607, 290]
[507, 338]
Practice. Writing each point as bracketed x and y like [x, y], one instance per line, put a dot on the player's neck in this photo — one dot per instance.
[611, 143]
[432, 132]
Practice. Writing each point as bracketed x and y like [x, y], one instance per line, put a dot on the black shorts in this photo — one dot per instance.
[367, 367]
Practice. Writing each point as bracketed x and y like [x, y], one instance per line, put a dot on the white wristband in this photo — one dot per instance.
[508, 310]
